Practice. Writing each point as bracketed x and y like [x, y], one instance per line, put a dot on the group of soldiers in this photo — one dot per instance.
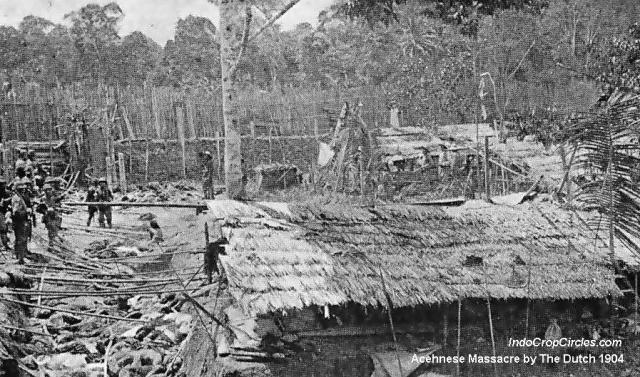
[99, 192]
[30, 192]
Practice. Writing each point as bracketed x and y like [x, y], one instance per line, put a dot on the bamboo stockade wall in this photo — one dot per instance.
[153, 112]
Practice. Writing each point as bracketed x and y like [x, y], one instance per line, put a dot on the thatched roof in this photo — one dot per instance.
[410, 142]
[297, 255]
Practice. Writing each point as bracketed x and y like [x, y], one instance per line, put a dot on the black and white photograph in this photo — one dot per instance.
[321, 188]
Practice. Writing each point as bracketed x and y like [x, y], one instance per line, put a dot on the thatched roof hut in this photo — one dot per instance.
[285, 256]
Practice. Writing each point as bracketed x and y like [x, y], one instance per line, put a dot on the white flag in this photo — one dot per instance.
[325, 154]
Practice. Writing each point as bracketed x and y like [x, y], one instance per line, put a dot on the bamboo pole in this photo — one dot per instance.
[459, 335]
[218, 154]
[123, 173]
[146, 155]
[51, 144]
[493, 341]
[314, 160]
[81, 313]
[138, 204]
[109, 163]
[487, 187]
[270, 147]
[9, 327]
[393, 330]
[635, 314]
[41, 285]
[181, 138]
[445, 329]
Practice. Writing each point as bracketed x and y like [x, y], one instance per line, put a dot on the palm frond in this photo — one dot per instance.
[609, 159]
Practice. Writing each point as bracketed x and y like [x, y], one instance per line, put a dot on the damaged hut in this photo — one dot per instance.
[301, 277]
[445, 162]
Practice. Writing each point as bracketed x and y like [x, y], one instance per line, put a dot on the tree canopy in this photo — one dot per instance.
[427, 55]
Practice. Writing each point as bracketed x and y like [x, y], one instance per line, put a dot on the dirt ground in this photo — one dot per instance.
[81, 280]
[109, 292]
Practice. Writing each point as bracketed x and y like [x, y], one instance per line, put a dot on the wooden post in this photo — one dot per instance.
[493, 341]
[190, 106]
[459, 335]
[252, 127]
[487, 187]
[51, 144]
[270, 147]
[218, 154]
[123, 173]
[361, 171]
[180, 124]
[445, 327]
[314, 161]
[156, 115]
[393, 331]
[109, 171]
[206, 249]
[635, 313]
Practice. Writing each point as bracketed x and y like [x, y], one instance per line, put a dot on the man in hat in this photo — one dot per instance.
[31, 199]
[5, 203]
[40, 176]
[18, 216]
[20, 175]
[207, 176]
[49, 208]
[30, 163]
[21, 162]
[104, 195]
[92, 196]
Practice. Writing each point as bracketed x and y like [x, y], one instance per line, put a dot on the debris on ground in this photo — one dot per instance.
[96, 304]
[272, 177]
[164, 192]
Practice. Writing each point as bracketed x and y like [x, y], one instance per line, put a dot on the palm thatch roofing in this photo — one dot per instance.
[411, 142]
[295, 255]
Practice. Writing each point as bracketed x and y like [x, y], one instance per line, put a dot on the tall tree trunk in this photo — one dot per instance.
[231, 12]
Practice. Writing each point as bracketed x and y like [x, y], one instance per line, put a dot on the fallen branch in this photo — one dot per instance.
[63, 294]
[105, 366]
[41, 285]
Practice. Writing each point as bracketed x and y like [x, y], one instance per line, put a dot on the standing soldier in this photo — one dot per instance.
[49, 207]
[40, 176]
[30, 163]
[104, 195]
[21, 162]
[30, 199]
[5, 203]
[18, 216]
[20, 175]
[207, 176]
[92, 196]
